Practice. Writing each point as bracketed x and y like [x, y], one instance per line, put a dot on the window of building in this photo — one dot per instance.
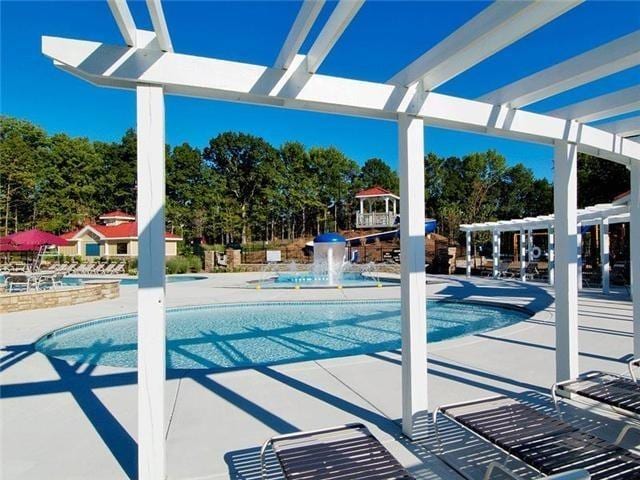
[122, 248]
[92, 250]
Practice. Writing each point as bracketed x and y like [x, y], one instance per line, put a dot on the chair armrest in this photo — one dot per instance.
[572, 475]
[633, 363]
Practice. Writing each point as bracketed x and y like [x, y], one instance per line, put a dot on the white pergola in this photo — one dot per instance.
[603, 214]
[147, 63]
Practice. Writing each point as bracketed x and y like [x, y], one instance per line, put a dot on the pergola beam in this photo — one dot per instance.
[604, 106]
[496, 27]
[305, 19]
[295, 88]
[124, 20]
[160, 25]
[604, 60]
[340, 18]
[627, 127]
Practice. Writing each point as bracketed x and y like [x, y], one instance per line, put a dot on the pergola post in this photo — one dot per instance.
[565, 196]
[579, 253]
[412, 285]
[530, 245]
[604, 254]
[552, 255]
[496, 252]
[151, 283]
[523, 263]
[634, 231]
[468, 256]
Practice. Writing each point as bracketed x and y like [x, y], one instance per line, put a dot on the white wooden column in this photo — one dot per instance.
[530, 245]
[412, 286]
[604, 254]
[468, 257]
[579, 253]
[496, 252]
[361, 206]
[634, 232]
[565, 188]
[151, 283]
[523, 256]
[552, 255]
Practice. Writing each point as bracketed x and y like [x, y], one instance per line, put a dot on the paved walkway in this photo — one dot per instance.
[62, 421]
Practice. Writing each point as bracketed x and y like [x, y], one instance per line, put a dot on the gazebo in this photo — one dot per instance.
[147, 63]
[371, 218]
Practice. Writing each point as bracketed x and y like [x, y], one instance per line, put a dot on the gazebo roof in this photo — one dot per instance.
[376, 191]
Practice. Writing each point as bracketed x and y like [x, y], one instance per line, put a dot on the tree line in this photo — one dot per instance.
[240, 188]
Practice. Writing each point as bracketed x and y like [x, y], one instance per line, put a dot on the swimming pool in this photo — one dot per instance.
[218, 337]
[313, 280]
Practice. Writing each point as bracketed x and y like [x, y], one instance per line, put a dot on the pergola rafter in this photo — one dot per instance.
[148, 65]
[305, 19]
[602, 107]
[124, 20]
[494, 28]
[627, 127]
[160, 25]
[338, 22]
[604, 60]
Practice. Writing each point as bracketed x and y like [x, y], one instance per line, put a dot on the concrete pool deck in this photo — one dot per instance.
[78, 421]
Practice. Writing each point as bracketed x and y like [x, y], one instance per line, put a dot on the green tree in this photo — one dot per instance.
[21, 148]
[600, 180]
[376, 172]
[242, 160]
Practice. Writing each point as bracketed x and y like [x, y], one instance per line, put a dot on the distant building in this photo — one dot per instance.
[378, 208]
[115, 236]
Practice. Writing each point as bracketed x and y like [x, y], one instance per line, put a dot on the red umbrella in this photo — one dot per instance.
[29, 240]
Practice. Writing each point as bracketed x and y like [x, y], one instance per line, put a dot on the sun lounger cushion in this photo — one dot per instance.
[348, 454]
[545, 442]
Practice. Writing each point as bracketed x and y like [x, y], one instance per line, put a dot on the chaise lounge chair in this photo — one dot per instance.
[546, 443]
[338, 453]
[615, 391]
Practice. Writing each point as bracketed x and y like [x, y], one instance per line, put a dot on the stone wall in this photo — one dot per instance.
[90, 292]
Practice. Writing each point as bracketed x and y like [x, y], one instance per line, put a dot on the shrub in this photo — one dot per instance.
[195, 264]
[178, 265]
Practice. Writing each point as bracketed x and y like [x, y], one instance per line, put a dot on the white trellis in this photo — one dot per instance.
[603, 214]
[148, 64]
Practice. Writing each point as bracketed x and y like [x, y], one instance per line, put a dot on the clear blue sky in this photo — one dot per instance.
[383, 38]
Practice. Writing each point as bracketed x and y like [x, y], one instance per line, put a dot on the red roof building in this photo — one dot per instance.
[116, 236]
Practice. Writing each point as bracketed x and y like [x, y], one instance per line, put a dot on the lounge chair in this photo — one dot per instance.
[118, 269]
[344, 452]
[609, 389]
[618, 273]
[531, 271]
[108, 269]
[545, 443]
[49, 280]
[18, 282]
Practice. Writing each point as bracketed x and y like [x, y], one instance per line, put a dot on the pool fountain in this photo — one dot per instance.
[328, 258]
[329, 270]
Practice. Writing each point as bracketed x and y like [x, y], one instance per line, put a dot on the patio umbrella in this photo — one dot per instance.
[29, 240]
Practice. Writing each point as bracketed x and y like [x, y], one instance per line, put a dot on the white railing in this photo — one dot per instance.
[376, 219]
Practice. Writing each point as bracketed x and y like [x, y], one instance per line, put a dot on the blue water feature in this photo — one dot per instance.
[218, 337]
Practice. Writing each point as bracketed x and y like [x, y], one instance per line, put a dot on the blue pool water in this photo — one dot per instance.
[226, 336]
[312, 280]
